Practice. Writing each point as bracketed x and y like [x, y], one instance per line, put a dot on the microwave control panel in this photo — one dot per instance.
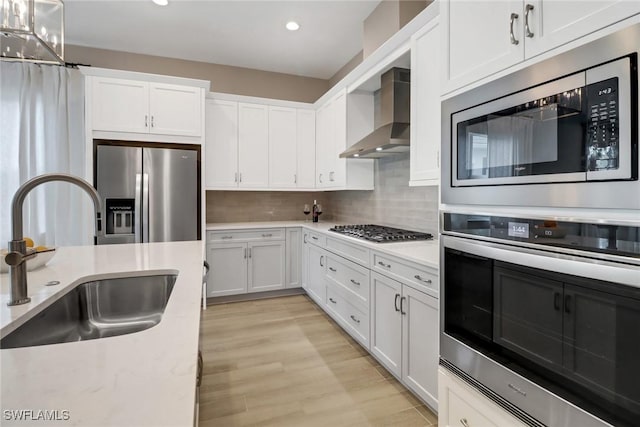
[603, 123]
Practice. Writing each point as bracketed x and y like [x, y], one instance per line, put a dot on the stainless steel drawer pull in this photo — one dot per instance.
[417, 276]
[514, 41]
[226, 237]
[464, 422]
[384, 265]
[321, 259]
[355, 283]
[314, 237]
[527, 29]
[267, 235]
[354, 319]
[146, 121]
[152, 125]
[332, 269]
[245, 253]
[333, 301]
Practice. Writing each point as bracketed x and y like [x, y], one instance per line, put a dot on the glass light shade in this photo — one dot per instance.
[32, 30]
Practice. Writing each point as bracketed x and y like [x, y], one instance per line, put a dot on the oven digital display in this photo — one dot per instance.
[518, 229]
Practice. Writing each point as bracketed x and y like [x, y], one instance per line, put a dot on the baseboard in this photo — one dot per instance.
[255, 296]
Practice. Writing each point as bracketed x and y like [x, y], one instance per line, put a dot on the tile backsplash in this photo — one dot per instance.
[392, 203]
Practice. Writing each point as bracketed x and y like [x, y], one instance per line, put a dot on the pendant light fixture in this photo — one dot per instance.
[32, 30]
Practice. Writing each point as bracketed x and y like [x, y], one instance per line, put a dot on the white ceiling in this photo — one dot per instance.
[240, 33]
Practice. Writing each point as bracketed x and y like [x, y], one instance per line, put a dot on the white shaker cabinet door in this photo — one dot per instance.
[294, 255]
[119, 105]
[338, 166]
[480, 38]
[175, 110]
[425, 105]
[221, 147]
[317, 268]
[555, 22]
[420, 351]
[227, 269]
[266, 266]
[282, 147]
[253, 145]
[306, 130]
[386, 322]
[324, 130]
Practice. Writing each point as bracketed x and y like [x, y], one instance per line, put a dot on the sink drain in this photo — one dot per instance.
[52, 283]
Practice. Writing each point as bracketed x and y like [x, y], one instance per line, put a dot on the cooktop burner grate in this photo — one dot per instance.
[380, 234]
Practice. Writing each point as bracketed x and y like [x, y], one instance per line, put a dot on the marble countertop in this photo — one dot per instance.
[426, 253]
[146, 378]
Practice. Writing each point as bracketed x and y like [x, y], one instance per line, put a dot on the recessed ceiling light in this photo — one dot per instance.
[356, 155]
[379, 149]
[292, 26]
[161, 2]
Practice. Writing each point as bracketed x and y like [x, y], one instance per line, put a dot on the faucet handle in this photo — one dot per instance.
[15, 258]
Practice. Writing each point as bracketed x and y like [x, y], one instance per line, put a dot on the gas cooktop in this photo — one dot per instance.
[380, 233]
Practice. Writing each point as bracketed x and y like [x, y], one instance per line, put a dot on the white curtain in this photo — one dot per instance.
[42, 131]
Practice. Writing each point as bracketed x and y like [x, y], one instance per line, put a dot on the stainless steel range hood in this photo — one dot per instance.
[392, 137]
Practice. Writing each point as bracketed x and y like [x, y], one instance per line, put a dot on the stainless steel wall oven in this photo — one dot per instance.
[544, 316]
[561, 133]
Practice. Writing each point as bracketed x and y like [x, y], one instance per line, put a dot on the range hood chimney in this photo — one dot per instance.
[392, 137]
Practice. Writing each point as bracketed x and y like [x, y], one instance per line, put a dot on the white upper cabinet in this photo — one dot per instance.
[553, 23]
[306, 149]
[425, 106]
[480, 38]
[175, 110]
[120, 105]
[253, 145]
[484, 37]
[324, 127]
[283, 147]
[221, 153]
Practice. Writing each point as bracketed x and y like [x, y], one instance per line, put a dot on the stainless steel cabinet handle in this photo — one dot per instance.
[152, 125]
[464, 422]
[395, 302]
[331, 176]
[314, 237]
[245, 253]
[304, 238]
[418, 277]
[527, 31]
[240, 176]
[515, 41]
[332, 269]
[384, 265]
[354, 319]
[321, 259]
[249, 252]
[355, 283]
[332, 300]
[146, 121]
[226, 237]
[235, 179]
[267, 235]
[402, 300]
[295, 178]
[320, 178]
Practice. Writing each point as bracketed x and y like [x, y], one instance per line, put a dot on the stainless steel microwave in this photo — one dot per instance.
[561, 133]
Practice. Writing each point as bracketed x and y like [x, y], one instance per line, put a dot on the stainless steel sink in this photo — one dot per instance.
[98, 309]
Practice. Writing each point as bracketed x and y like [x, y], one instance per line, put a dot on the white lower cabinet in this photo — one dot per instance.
[463, 406]
[404, 334]
[245, 261]
[293, 258]
[317, 267]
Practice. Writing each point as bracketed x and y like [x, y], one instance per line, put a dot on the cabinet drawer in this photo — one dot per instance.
[353, 319]
[246, 235]
[462, 413]
[414, 275]
[355, 253]
[318, 239]
[353, 278]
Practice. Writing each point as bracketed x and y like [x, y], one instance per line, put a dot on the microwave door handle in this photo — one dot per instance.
[137, 214]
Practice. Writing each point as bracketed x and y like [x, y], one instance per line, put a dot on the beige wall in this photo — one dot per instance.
[224, 78]
[346, 69]
[386, 20]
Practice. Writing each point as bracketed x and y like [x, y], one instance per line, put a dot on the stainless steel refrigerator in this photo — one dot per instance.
[150, 192]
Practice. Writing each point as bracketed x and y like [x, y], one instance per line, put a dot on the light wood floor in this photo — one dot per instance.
[284, 362]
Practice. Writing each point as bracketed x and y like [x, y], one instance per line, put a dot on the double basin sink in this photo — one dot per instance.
[97, 309]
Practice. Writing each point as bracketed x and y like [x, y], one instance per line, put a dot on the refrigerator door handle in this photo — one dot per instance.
[145, 207]
[137, 212]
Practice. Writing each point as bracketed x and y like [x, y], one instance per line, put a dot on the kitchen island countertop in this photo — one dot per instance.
[146, 378]
[425, 252]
